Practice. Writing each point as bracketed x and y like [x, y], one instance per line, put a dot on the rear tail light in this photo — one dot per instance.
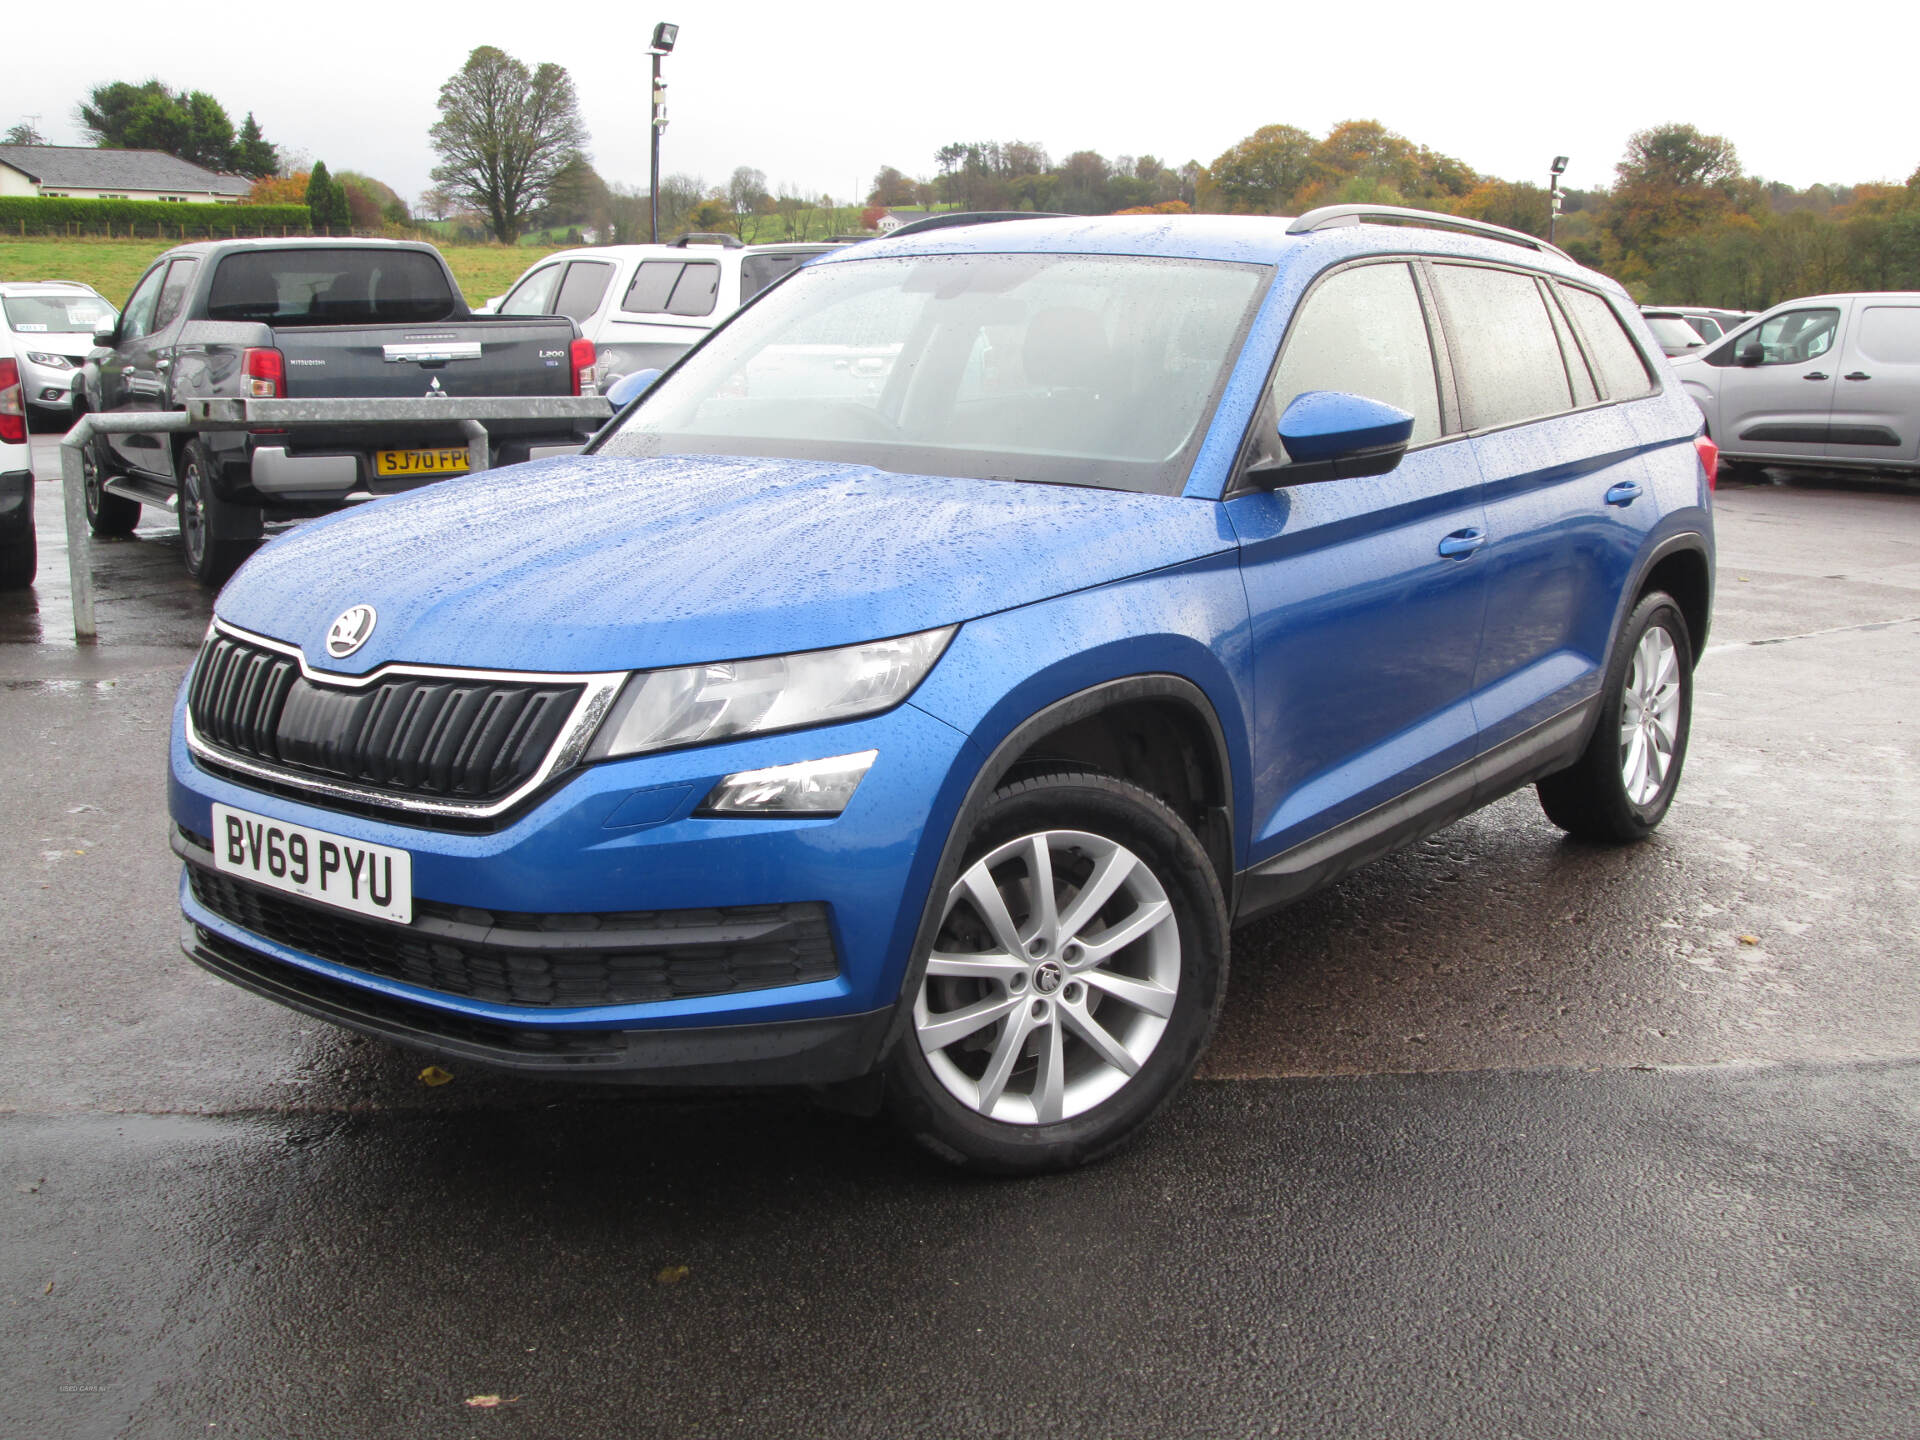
[266, 372]
[13, 405]
[583, 374]
[1709, 458]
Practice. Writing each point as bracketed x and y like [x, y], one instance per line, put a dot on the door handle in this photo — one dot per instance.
[1859, 375]
[1625, 493]
[1814, 375]
[163, 364]
[1462, 542]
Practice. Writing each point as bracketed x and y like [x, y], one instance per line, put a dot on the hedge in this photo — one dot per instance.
[141, 219]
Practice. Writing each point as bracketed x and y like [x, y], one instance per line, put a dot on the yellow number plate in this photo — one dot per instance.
[420, 462]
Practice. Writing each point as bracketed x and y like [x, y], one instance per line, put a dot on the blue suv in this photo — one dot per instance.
[910, 692]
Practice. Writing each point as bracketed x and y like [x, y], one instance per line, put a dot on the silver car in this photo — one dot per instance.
[1828, 381]
[47, 327]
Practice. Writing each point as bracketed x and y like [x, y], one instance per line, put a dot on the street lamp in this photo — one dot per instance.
[663, 37]
[1553, 193]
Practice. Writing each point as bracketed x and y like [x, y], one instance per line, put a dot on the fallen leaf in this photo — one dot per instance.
[487, 1402]
[672, 1275]
[49, 1289]
[434, 1075]
[1749, 939]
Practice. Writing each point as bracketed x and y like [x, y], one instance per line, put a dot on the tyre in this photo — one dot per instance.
[208, 544]
[1073, 982]
[19, 558]
[106, 514]
[1621, 786]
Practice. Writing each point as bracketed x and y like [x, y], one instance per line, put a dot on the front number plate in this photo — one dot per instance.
[374, 880]
[421, 462]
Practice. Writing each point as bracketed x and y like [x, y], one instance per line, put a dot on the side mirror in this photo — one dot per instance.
[1750, 355]
[629, 388]
[1331, 435]
[106, 333]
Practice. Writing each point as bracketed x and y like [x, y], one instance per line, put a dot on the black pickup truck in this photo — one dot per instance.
[310, 319]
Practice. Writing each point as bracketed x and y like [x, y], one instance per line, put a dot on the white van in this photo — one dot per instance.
[644, 306]
[1828, 381]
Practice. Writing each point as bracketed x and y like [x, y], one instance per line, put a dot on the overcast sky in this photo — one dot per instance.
[819, 96]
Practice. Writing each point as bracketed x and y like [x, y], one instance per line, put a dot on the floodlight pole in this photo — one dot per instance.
[656, 123]
[1553, 205]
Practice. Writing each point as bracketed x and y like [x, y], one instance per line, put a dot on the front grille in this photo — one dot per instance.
[436, 737]
[547, 961]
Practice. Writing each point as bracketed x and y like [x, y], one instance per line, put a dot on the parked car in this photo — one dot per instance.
[47, 327]
[927, 742]
[1678, 332]
[310, 319]
[644, 306]
[1830, 380]
[1708, 324]
[17, 544]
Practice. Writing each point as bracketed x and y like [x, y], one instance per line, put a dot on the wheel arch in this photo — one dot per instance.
[1073, 727]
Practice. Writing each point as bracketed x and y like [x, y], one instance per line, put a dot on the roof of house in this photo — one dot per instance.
[80, 167]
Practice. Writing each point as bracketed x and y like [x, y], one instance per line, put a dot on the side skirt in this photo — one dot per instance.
[1549, 746]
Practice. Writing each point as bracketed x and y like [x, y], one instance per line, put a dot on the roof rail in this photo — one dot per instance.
[967, 217]
[709, 237]
[1329, 217]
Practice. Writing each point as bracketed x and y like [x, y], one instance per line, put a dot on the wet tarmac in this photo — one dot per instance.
[1504, 1135]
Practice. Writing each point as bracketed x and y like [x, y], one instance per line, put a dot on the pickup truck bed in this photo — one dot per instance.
[311, 319]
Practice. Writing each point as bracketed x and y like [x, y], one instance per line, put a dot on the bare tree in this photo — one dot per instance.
[504, 132]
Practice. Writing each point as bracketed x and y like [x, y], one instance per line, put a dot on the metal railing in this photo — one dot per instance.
[205, 416]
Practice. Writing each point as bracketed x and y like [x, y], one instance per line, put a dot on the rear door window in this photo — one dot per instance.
[1623, 373]
[580, 292]
[1506, 359]
[652, 286]
[696, 290]
[1363, 331]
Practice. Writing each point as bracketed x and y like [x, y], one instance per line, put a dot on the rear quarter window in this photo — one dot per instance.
[1505, 356]
[1623, 372]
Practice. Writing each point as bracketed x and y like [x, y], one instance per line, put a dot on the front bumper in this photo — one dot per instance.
[614, 839]
[47, 388]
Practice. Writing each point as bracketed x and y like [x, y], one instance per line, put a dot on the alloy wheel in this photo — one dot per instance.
[1649, 715]
[193, 516]
[1052, 978]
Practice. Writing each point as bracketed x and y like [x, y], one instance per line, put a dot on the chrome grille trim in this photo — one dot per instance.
[597, 694]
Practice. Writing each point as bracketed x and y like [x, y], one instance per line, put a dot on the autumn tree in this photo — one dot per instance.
[746, 188]
[1263, 172]
[890, 188]
[1672, 181]
[503, 134]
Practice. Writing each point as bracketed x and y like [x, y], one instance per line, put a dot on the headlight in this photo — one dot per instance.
[660, 709]
[819, 788]
[52, 362]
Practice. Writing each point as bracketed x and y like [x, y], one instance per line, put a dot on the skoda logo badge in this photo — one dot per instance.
[350, 631]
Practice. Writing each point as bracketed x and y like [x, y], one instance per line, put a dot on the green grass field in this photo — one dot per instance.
[112, 266]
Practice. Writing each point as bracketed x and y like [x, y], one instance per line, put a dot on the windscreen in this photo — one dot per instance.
[308, 286]
[56, 314]
[1064, 369]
